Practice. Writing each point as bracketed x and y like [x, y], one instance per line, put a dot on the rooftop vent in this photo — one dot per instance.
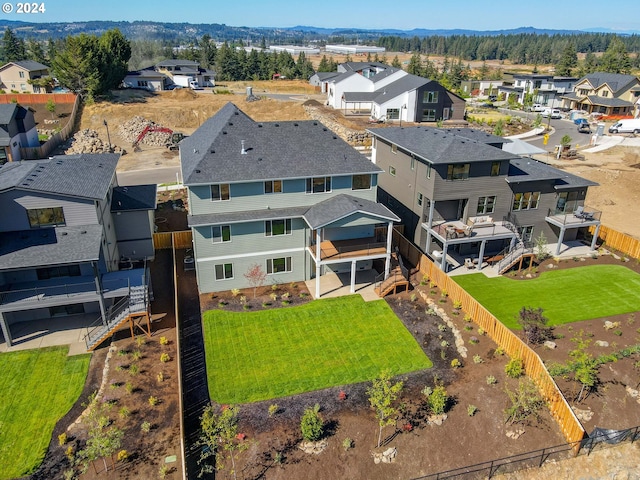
[277, 124]
[259, 125]
[244, 150]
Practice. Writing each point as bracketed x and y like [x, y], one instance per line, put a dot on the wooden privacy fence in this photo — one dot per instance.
[505, 338]
[26, 98]
[44, 150]
[177, 240]
[618, 240]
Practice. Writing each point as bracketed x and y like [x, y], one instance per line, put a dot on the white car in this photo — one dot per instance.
[536, 107]
[553, 113]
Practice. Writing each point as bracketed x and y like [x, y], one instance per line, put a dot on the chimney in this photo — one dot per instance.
[243, 151]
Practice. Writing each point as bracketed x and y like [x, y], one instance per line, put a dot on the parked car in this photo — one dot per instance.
[536, 107]
[551, 112]
[626, 126]
[583, 125]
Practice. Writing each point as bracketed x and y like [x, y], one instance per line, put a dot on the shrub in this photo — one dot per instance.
[164, 341]
[437, 400]
[471, 410]
[491, 380]
[62, 439]
[467, 318]
[618, 332]
[498, 352]
[473, 340]
[347, 443]
[122, 353]
[311, 424]
[136, 355]
[525, 402]
[273, 296]
[266, 304]
[165, 357]
[455, 363]
[481, 331]
[515, 368]
[160, 377]
[442, 327]
[477, 359]
[413, 297]
[235, 292]
[140, 342]
[457, 304]
[444, 344]
[468, 328]
[153, 401]
[123, 455]
[444, 293]
[145, 427]
[273, 409]
[124, 412]
[129, 387]
[534, 325]
[133, 369]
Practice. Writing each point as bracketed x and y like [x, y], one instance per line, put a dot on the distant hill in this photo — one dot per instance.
[176, 32]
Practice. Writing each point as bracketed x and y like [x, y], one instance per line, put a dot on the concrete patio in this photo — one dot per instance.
[338, 284]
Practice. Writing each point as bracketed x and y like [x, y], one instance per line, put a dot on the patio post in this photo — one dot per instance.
[5, 330]
[560, 238]
[353, 277]
[387, 262]
[443, 262]
[318, 263]
[482, 245]
[96, 277]
[594, 240]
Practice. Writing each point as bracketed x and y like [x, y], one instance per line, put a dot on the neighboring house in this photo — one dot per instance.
[545, 89]
[607, 93]
[15, 76]
[460, 195]
[476, 88]
[17, 130]
[147, 78]
[59, 252]
[320, 80]
[390, 94]
[133, 210]
[290, 197]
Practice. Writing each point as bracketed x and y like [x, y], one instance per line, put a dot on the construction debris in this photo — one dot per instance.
[131, 130]
[88, 141]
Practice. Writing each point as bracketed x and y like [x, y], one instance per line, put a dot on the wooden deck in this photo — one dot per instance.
[360, 247]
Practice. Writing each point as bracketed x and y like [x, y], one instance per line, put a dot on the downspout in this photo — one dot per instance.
[96, 276]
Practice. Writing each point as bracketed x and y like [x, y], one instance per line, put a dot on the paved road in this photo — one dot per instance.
[157, 175]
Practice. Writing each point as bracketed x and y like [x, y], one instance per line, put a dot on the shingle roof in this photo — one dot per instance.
[529, 170]
[173, 63]
[245, 216]
[50, 246]
[399, 87]
[323, 76]
[616, 81]
[135, 197]
[438, 146]
[608, 101]
[7, 112]
[83, 175]
[273, 150]
[31, 65]
[385, 73]
[353, 66]
[477, 135]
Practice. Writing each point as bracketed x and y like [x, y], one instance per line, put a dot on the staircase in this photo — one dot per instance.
[118, 314]
[398, 277]
[515, 253]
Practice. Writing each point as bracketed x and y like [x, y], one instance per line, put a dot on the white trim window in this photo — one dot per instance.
[220, 192]
[525, 201]
[221, 233]
[224, 271]
[279, 265]
[486, 205]
[277, 227]
[319, 185]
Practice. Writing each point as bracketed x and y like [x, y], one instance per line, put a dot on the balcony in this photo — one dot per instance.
[458, 232]
[331, 250]
[68, 290]
[581, 216]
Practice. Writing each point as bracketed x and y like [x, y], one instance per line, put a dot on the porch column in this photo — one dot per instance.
[5, 330]
[560, 238]
[594, 240]
[429, 224]
[96, 277]
[387, 262]
[318, 236]
[443, 263]
[353, 277]
[482, 245]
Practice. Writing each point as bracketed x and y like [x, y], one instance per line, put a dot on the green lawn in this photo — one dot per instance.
[570, 295]
[273, 353]
[37, 388]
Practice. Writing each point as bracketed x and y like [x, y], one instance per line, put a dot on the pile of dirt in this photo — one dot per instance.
[183, 94]
[131, 130]
[88, 141]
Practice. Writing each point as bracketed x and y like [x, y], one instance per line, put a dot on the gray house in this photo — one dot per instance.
[133, 210]
[17, 130]
[461, 196]
[59, 252]
[291, 197]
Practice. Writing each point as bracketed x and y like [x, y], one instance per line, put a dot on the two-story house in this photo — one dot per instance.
[457, 192]
[59, 252]
[16, 76]
[607, 93]
[544, 89]
[290, 197]
[17, 130]
[170, 72]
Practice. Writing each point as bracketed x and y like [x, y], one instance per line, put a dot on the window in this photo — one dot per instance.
[221, 233]
[428, 170]
[526, 233]
[392, 171]
[224, 271]
[143, 83]
[273, 186]
[45, 217]
[361, 182]
[61, 271]
[485, 205]
[605, 93]
[495, 169]
[458, 171]
[393, 113]
[21, 74]
[278, 265]
[429, 115]
[430, 97]
[526, 201]
[277, 227]
[318, 185]
[220, 192]
[419, 199]
[394, 148]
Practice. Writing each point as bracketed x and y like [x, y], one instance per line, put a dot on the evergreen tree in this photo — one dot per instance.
[568, 61]
[13, 48]
[415, 64]
[115, 52]
[324, 65]
[35, 51]
[616, 58]
[396, 62]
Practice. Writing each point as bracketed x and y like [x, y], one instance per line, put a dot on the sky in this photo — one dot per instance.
[367, 14]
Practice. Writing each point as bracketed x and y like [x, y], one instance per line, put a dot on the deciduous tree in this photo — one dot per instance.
[382, 395]
[256, 277]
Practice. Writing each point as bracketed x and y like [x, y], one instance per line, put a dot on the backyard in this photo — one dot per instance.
[37, 387]
[272, 353]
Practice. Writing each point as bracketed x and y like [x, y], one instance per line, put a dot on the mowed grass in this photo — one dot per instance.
[571, 295]
[37, 388]
[273, 353]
